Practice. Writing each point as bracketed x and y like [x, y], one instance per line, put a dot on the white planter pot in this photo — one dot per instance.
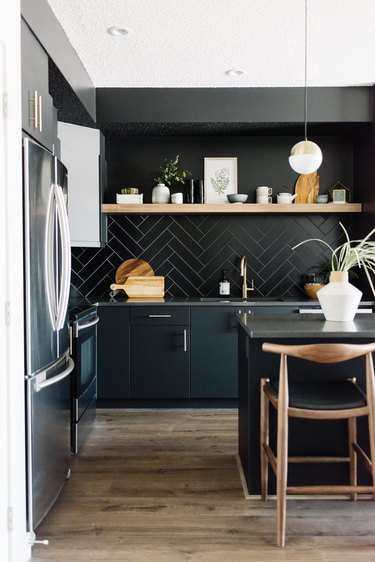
[339, 299]
[160, 194]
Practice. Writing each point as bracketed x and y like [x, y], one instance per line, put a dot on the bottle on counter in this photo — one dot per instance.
[224, 285]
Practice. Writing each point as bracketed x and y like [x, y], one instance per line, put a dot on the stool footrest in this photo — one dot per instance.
[313, 459]
[330, 489]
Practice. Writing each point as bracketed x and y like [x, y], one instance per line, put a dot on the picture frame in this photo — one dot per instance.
[339, 196]
[220, 178]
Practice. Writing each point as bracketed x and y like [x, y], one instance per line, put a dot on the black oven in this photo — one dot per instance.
[83, 339]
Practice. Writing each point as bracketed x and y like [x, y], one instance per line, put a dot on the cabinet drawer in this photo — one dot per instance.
[159, 315]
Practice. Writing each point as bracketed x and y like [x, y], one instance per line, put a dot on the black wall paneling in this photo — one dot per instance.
[231, 105]
[191, 251]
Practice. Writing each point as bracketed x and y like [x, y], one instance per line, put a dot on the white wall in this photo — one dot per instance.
[13, 541]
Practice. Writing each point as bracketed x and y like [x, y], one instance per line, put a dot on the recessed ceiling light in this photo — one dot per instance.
[118, 31]
[235, 72]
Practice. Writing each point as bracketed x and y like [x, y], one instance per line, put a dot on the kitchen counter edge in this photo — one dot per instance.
[303, 326]
[195, 301]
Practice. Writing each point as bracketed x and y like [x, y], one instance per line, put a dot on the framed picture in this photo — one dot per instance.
[339, 196]
[220, 179]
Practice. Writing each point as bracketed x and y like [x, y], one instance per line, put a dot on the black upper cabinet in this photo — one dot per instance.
[214, 352]
[37, 104]
[113, 352]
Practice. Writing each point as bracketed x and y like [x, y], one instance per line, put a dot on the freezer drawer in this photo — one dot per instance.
[48, 440]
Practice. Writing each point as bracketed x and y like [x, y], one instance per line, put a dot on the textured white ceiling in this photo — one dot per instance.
[192, 43]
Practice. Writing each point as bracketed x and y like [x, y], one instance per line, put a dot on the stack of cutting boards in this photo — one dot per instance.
[307, 188]
[137, 279]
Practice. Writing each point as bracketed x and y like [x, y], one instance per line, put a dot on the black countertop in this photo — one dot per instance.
[120, 300]
[306, 326]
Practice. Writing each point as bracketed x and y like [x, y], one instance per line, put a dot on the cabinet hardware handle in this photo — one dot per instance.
[35, 119]
[40, 113]
[185, 340]
[160, 315]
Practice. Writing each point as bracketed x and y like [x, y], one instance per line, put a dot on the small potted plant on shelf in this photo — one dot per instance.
[169, 175]
[339, 299]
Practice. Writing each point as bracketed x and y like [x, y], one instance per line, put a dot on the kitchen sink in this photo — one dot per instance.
[238, 299]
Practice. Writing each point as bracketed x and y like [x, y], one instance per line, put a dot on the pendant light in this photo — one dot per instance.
[305, 156]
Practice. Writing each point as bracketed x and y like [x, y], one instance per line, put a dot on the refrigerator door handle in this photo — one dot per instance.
[65, 257]
[42, 382]
[49, 259]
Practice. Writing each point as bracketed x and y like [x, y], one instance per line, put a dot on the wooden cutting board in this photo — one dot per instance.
[307, 188]
[141, 286]
[133, 266]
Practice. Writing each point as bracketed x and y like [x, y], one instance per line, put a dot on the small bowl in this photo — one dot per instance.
[311, 289]
[237, 197]
[321, 199]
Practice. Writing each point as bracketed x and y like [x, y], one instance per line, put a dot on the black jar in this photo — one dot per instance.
[198, 191]
[190, 191]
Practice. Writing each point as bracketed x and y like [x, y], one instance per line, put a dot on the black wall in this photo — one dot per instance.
[191, 251]
[262, 160]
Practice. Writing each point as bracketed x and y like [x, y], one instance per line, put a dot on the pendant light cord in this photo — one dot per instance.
[305, 69]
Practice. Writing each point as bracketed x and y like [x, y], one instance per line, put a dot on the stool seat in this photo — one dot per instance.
[339, 395]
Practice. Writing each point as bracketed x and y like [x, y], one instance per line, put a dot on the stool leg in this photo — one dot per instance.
[264, 439]
[282, 451]
[352, 438]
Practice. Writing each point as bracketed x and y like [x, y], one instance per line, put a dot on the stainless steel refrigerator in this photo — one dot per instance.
[47, 361]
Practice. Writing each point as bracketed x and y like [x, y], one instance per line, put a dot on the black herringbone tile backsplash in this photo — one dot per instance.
[191, 251]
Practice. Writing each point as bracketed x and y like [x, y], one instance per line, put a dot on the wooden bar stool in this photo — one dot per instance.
[341, 399]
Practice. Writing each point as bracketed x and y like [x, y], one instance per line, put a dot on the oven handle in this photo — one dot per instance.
[88, 325]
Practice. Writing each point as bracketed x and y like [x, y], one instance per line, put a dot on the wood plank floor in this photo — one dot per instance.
[163, 486]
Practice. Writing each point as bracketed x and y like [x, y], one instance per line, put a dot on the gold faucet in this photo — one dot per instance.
[243, 274]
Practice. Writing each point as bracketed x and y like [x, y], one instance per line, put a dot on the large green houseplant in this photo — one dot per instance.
[339, 299]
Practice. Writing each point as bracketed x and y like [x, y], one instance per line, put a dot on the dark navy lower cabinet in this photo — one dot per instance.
[113, 352]
[160, 353]
[170, 352]
[214, 352]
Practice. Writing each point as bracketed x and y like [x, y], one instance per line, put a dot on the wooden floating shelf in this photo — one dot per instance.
[227, 208]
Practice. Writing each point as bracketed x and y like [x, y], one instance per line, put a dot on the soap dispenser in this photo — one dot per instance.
[224, 285]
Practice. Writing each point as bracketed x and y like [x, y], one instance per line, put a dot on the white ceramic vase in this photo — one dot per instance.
[339, 299]
[160, 193]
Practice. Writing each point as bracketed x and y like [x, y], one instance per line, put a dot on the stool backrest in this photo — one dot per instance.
[321, 352]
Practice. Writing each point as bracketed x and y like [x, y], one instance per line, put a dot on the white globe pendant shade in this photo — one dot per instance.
[305, 157]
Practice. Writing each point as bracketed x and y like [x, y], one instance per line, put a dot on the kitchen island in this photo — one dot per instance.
[255, 364]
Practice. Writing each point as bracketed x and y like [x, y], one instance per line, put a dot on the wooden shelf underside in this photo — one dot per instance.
[227, 208]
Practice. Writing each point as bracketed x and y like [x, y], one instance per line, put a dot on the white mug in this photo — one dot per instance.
[263, 199]
[264, 190]
[177, 198]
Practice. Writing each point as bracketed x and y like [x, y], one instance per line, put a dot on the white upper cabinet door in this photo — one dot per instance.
[80, 153]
